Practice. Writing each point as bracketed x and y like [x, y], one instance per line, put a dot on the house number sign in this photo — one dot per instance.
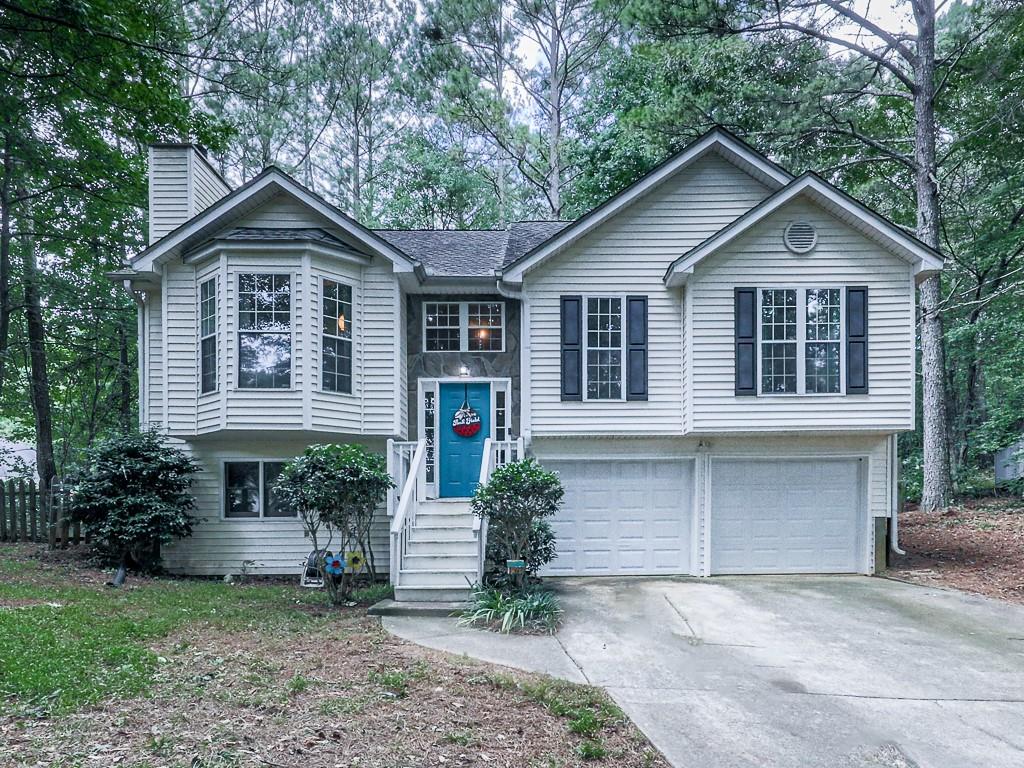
[466, 421]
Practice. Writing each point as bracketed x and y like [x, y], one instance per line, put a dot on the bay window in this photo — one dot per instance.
[336, 327]
[264, 331]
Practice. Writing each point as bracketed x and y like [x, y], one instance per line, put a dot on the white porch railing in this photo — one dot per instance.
[496, 453]
[410, 478]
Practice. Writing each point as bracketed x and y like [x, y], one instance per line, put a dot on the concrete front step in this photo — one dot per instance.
[448, 577]
[431, 594]
[444, 507]
[439, 561]
[417, 608]
[418, 546]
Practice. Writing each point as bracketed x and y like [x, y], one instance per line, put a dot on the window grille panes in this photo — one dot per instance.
[778, 341]
[242, 489]
[273, 505]
[823, 349]
[442, 327]
[264, 338]
[208, 335]
[486, 327]
[337, 325]
[500, 415]
[604, 348]
[428, 432]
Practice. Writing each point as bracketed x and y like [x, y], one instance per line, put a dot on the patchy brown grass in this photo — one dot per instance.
[340, 692]
[977, 546]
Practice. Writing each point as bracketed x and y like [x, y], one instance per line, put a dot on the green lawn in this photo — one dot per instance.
[65, 645]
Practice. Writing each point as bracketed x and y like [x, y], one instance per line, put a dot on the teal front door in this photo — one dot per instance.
[459, 456]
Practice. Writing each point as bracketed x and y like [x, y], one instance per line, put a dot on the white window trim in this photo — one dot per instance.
[464, 327]
[223, 484]
[319, 330]
[293, 279]
[622, 348]
[213, 277]
[801, 341]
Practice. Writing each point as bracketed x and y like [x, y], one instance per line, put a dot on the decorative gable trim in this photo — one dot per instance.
[717, 140]
[272, 182]
[926, 261]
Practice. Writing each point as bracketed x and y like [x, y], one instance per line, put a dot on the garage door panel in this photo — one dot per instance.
[623, 517]
[786, 516]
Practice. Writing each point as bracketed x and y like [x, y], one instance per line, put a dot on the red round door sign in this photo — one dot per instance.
[466, 421]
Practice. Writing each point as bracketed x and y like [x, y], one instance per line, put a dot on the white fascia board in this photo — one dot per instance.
[926, 262]
[716, 141]
[216, 247]
[271, 179]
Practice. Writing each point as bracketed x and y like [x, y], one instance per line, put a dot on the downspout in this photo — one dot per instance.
[141, 323]
[894, 469]
[524, 358]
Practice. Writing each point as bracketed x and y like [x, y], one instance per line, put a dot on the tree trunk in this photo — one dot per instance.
[937, 481]
[39, 383]
[5, 254]
[555, 119]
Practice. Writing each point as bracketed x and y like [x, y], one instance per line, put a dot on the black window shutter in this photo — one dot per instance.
[636, 347]
[572, 347]
[857, 340]
[746, 341]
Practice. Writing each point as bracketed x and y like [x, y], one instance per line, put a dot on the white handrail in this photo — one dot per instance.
[405, 512]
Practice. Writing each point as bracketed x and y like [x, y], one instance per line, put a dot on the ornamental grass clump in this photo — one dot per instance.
[336, 490]
[510, 610]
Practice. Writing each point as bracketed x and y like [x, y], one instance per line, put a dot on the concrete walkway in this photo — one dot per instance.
[784, 671]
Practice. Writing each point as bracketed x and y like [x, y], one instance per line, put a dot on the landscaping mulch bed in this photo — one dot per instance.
[342, 693]
[976, 546]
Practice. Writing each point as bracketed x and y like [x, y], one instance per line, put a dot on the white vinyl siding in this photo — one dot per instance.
[182, 184]
[629, 254]
[842, 257]
[271, 546]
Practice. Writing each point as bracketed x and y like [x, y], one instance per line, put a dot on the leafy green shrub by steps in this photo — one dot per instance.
[515, 502]
[133, 494]
[508, 610]
[336, 489]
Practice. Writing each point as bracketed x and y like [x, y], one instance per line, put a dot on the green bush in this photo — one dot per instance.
[511, 610]
[515, 502]
[133, 494]
[336, 490]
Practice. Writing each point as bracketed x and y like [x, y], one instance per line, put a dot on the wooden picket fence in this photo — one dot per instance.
[32, 514]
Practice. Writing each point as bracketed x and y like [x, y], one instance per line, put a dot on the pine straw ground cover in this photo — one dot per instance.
[200, 674]
[977, 546]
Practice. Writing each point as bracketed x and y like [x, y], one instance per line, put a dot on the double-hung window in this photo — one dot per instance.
[249, 490]
[336, 321]
[264, 331]
[464, 326]
[604, 355]
[208, 336]
[801, 336]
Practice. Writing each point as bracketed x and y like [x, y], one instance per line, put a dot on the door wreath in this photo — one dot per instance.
[466, 421]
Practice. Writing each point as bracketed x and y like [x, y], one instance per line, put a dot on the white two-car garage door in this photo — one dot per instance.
[623, 517]
[787, 516]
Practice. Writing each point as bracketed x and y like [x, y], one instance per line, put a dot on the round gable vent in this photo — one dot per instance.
[800, 237]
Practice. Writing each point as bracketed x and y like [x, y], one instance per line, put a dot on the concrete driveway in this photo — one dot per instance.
[785, 671]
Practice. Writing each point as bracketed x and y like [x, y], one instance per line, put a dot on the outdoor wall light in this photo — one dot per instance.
[463, 371]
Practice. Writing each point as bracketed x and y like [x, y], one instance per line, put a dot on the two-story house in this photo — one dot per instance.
[716, 360]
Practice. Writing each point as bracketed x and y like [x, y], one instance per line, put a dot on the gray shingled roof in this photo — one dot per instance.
[273, 233]
[470, 252]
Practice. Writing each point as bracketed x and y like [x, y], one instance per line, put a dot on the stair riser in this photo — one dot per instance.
[441, 547]
[440, 562]
[442, 534]
[450, 521]
[434, 595]
[437, 579]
